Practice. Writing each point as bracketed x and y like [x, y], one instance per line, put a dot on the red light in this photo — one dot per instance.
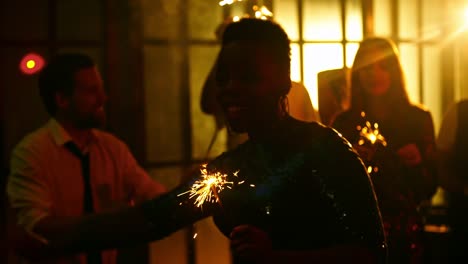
[31, 63]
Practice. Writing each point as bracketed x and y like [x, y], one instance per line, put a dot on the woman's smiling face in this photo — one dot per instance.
[250, 84]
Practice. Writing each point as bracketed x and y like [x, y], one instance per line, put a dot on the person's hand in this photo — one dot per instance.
[410, 155]
[366, 153]
[251, 244]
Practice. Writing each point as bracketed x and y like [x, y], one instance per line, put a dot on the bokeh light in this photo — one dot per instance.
[31, 63]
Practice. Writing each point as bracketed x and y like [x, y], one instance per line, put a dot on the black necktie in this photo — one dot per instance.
[93, 257]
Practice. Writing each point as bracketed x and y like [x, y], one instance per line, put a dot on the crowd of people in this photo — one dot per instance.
[299, 191]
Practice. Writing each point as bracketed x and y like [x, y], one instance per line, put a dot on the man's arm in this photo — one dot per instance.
[42, 235]
[61, 236]
[141, 186]
[37, 233]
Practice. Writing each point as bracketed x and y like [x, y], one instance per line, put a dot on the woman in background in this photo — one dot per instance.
[401, 160]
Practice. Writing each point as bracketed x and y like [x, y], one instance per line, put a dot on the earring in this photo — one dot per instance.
[284, 105]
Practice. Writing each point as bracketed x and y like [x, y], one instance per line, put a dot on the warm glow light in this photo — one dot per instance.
[466, 16]
[228, 2]
[317, 58]
[31, 63]
[436, 228]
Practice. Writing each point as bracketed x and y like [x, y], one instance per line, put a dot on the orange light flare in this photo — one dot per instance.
[207, 188]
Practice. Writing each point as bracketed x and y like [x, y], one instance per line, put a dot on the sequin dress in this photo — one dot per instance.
[306, 187]
[309, 190]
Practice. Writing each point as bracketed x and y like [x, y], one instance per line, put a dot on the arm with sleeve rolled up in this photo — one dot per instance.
[47, 236]
[140, 185]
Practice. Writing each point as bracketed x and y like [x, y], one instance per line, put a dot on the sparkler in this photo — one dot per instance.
[207, 188]
[371, 134]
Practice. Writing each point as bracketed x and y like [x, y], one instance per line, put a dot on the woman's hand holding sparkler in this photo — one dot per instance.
[410, 155]
[366, 153]
[370, 140]
[251, 244]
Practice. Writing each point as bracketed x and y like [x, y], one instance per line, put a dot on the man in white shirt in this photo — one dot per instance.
[69, 168]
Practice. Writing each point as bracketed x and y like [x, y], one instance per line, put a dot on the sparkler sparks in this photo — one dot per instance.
[208, 187]
[371, 133]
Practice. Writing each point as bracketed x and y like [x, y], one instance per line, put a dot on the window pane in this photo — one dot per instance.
[161, 19]
[285, 13]
[432, 83]
[20, 23]
[351, 50]
[173, 248]
[202, 59]
[322, 20]
[238, 9]
[317, 58]
[432, 14]
[204, 18]
[79, 19]
[209, 240]
[162, 99]
[455, 14]
[409, 60]
[295, 63]
[382, 18]
[354, 20]
[461, 64]
[408, 19]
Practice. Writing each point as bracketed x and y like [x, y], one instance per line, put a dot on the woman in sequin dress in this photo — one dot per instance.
[301, 194]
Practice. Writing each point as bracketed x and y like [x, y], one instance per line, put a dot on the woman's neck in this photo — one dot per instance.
[269, 131]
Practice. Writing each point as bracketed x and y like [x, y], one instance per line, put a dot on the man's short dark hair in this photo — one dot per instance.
[58, 76]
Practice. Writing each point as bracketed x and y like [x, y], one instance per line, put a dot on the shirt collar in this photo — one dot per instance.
[60, 135]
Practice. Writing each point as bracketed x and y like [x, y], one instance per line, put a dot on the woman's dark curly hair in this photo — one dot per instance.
[261, 31]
